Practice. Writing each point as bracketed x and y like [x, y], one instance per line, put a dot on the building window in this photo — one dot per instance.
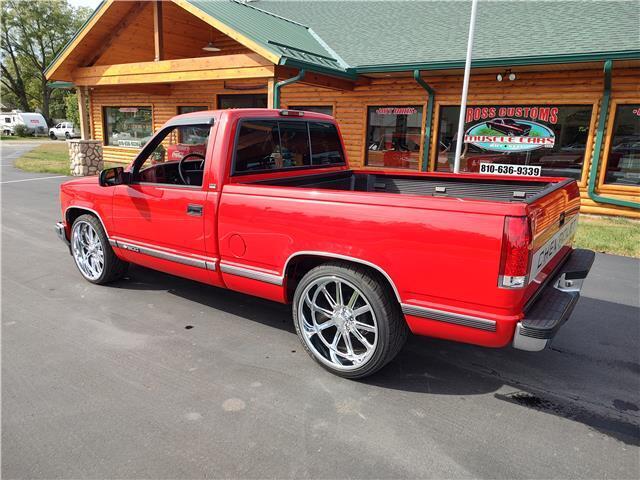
[394, 136]
[191, 109]
[326, 109]
[281, 144]
[242, 101]
[623, 163]
[553, 137]
[127, 126]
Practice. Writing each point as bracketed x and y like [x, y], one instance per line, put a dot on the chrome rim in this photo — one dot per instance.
[87, 250]
[337, 323]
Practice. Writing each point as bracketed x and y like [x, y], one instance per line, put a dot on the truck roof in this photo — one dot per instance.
[207, 117]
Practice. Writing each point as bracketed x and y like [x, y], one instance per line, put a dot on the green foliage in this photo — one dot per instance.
[21, 131]
[32, 33]
[71, 108]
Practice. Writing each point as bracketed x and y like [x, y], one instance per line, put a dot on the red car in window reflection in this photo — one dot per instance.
[509, 127]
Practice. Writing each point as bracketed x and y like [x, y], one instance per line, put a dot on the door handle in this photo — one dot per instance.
[195, 210]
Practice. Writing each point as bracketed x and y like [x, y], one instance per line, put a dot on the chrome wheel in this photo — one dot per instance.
[87, 249]
[337, 323]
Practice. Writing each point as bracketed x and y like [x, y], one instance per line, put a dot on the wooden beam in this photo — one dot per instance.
[270, 86]
[157, 30]
[317, 79]
[162, 76]
[129, 18]
[238, 61]
[83, 95]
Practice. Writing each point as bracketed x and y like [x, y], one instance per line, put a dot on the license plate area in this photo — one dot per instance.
[550, 249]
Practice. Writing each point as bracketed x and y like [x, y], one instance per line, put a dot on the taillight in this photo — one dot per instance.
[516, 250]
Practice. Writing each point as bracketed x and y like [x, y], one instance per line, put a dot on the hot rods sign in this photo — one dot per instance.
[510, 129]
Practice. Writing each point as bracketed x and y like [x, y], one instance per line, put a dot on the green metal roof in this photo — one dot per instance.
[349, 37]
[286, 38]
[393, 35]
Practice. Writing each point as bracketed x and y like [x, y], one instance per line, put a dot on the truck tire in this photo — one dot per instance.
[94, 257]
[52, 136]
[348, 319]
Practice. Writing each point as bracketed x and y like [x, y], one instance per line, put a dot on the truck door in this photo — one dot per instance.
[159, 217]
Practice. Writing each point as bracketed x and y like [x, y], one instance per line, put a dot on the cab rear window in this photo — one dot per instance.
[271, 145]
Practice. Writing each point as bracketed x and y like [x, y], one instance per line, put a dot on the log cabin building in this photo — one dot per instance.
[553, 84]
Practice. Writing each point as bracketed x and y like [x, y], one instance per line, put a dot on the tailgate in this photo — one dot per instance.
[554, 221]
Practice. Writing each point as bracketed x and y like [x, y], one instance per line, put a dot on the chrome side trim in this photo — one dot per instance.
[448, 317]
[252, 274]
[343, 257]
[211, 265]
[173, 257]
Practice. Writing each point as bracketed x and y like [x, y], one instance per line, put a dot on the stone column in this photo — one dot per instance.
[85, 157]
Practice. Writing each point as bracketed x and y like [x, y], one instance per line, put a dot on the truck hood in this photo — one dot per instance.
[89, 180]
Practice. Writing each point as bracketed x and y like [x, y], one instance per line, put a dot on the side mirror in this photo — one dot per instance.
[110, 177]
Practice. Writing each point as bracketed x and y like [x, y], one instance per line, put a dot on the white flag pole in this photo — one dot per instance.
[465, 87]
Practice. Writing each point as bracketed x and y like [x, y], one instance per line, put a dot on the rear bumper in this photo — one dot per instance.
[552, 307]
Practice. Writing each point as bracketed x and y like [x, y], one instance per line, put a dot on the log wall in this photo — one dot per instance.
[561, 86]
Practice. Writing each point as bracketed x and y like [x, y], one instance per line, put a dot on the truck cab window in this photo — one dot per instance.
[178, 158]
[275, 145]
[325, 144]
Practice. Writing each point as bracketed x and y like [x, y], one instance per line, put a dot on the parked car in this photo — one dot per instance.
[363, 256]
[34, 122]
[509, 127]
[64, 130]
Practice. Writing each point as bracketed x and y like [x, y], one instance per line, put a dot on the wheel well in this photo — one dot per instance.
[300, 265]
[74, 212]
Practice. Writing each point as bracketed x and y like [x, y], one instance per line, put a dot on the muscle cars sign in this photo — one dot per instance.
[510, 128]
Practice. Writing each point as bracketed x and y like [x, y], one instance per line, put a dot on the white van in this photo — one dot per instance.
[34, 122]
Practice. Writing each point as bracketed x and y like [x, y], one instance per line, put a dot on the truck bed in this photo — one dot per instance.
[493, 189]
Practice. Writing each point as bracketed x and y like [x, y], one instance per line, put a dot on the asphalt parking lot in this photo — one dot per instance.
[110, 382]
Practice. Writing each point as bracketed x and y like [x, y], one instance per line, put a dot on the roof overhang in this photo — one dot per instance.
[501, 62]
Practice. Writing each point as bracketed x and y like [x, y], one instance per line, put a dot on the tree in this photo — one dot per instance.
[32, 33]
[71, 104]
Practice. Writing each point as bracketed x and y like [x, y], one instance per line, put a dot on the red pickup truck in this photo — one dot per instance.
[273, 209]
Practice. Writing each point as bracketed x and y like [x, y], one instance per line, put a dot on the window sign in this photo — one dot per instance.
[127, 126]
[623, 164]
[394, 135]
[552, 137]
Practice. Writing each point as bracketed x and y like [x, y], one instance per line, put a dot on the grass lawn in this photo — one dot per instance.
[50, 157]
[617, 235]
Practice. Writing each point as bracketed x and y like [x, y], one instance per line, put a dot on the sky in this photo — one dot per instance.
[85, 3]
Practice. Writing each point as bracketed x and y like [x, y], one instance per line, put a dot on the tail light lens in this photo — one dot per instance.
[516, 252]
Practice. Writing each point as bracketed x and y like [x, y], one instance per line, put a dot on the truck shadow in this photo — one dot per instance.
[588, 365]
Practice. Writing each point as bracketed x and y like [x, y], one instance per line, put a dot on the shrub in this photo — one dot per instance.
[21, 131]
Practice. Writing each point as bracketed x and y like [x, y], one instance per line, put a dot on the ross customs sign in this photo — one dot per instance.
[510, 129]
